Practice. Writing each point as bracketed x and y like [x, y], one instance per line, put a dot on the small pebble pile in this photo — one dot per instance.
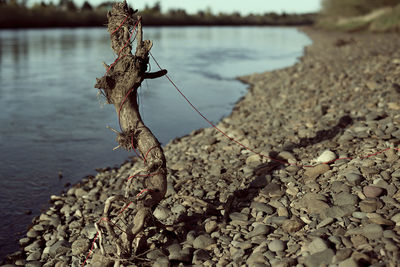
[226, 206]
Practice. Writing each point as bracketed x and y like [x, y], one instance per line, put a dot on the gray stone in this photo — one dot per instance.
[203, 242]
[396, 174]
[292, 225]
[161, 213]
[32, 233]
[339, 212]
[313, 172]
[161, 262]
[34, 256]
[256, 258]
[80, 192]
[33, 264]
[210, 226]
[372, 191]
[34, 246]
[258, 206]
[372, 231]
[155, 254]
[345, 198]
[176, 253]
[80, 246]
[317, 245]
[237, 216]
[23, 242]
[348, 263]
[354, 178]
[200, 255]
[276, 245]
[60, 247]
[178, 209]
[320, 258]
[260, 229]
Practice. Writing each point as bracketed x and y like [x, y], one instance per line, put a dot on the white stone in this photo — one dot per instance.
[326, 156]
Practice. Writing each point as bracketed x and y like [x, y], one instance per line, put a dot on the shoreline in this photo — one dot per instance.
[228, 205]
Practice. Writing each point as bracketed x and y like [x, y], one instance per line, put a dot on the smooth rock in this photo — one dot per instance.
[210, 226]
[33, 264]
[326, 157]
[348, 263]
[34, 256]
[345, 198]
[276, 245]
[354, 178]
[60, 247]
[255, 258]
[320, 258]
[200, 256]
[203, 242]
[260, 229]
[258, 206]
[176, 253]
[313, 172]
[292, 225]
[372, 231]
[372, 191]
[80, 246]
[317, 245]
[161, 213]
[237, 216]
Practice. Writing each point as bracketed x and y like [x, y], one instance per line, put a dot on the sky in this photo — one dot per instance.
[227, 6]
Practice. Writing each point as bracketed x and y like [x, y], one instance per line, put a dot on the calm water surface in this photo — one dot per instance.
[51, 120]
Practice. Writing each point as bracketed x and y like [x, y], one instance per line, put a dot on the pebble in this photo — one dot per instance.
[348, 263]
[260, 229]
[320, 258]
[317, 245]
[276, 245]
[354, 178]
[256, 258]
[313, 172]
[372, 231]
[162, 213]
[210, 226]
[262, 207]
[80, 246]
[372, 191]
[292, 225]
[203, 242]
[326, 157]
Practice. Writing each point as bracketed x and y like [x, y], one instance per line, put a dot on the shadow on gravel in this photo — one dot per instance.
[260, 180]
[323, 135]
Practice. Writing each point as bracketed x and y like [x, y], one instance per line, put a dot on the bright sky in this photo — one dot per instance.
[228, 6]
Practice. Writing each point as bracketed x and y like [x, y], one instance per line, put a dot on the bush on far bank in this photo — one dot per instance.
[360, 15]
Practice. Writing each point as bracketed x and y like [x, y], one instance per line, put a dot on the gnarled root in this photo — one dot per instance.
[120, 84]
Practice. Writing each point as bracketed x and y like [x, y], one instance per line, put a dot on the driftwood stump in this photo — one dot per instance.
[119, 85]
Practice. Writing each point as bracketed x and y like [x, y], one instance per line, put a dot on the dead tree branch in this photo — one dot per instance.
[120, 84]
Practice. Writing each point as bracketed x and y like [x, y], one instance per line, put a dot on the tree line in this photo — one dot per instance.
[16, 14]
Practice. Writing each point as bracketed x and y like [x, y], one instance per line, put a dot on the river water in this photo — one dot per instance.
[52, 120]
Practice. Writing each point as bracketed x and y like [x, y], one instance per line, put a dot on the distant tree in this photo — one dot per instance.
[71, 6]
[157, 7]
[105, 5]
[86, 6]
[177, 12]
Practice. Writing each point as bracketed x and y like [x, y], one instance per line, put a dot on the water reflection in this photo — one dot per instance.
[52, 121]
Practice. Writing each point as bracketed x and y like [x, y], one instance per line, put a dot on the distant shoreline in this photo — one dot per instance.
[50, 16]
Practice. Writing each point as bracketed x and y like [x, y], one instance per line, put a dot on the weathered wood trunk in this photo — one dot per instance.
[119, 85]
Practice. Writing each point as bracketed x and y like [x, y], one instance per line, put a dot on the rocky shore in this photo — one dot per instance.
[226, 206]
